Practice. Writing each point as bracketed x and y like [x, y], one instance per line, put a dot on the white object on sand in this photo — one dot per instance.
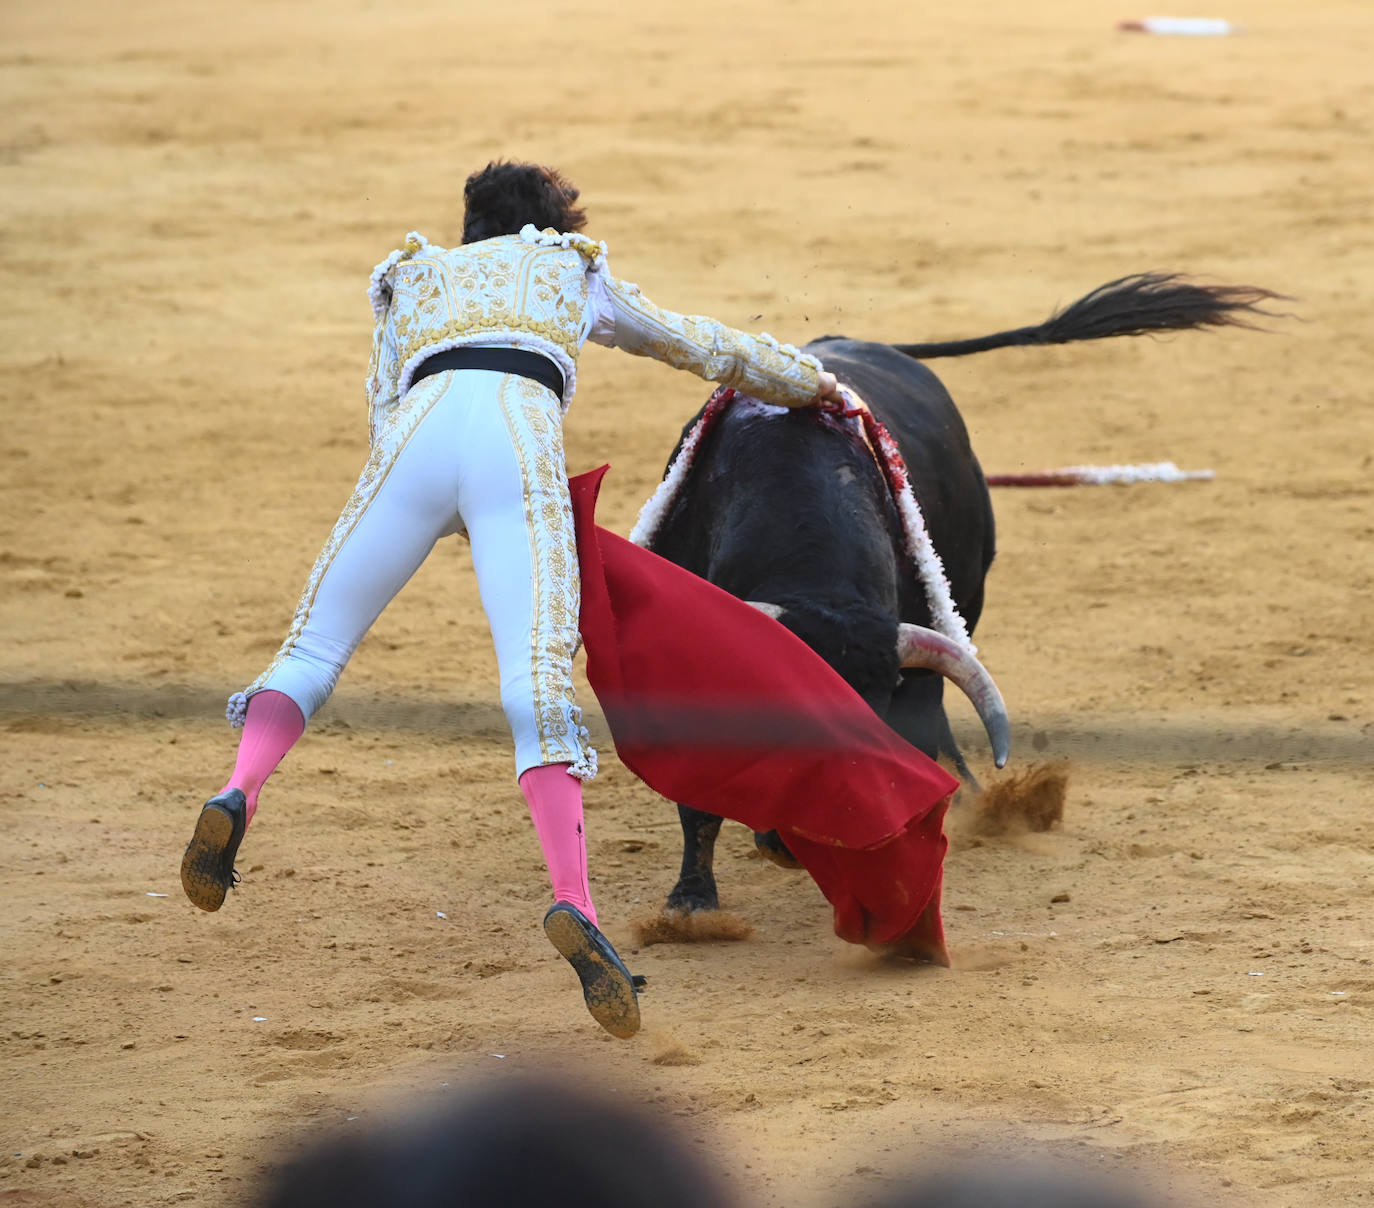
[1069, 476]
[1196, 27]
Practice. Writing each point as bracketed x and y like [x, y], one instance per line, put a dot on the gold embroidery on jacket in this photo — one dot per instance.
[755, 365]
[535, 295]
[494, 291]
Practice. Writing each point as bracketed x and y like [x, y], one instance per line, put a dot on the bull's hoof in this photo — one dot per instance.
[691, 899]
[771, 847]
[916, 946]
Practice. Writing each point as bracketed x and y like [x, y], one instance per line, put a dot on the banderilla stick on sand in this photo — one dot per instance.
[1092, 476]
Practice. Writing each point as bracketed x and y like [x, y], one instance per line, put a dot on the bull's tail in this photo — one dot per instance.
[1129, 306]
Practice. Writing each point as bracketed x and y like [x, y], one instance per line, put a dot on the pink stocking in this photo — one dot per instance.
[555, 801]
[270, 729]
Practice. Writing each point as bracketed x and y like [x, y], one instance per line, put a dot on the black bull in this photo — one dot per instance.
[789, 508]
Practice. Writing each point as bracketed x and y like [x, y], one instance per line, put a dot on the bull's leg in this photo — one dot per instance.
[696, 884]
[771, 847]
[917, 713]
[951, 748]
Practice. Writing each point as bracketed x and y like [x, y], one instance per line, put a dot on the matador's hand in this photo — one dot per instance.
[828, 395]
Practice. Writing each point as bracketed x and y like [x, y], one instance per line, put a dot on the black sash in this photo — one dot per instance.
[519, 361]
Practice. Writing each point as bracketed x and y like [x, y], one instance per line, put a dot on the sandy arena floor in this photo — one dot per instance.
[1178, 982]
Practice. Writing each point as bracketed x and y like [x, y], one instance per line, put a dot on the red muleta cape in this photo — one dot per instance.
[715, 705]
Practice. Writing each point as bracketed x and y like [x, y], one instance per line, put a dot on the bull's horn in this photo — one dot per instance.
[921, 647]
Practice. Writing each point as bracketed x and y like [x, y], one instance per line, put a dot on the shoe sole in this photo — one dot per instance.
[609, 995]
[200, 866]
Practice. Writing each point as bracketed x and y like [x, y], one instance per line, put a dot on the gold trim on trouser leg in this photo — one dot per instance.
[392, 439]
[534, 423]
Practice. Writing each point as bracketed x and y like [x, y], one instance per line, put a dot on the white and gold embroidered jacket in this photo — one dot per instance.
[550, 293]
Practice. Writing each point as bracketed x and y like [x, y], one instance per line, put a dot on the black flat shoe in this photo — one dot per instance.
[611, 993]
[207, 868]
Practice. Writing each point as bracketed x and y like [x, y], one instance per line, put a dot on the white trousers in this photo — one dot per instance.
[464, 450]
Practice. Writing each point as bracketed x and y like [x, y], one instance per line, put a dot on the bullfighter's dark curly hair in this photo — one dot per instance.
[503, 197]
